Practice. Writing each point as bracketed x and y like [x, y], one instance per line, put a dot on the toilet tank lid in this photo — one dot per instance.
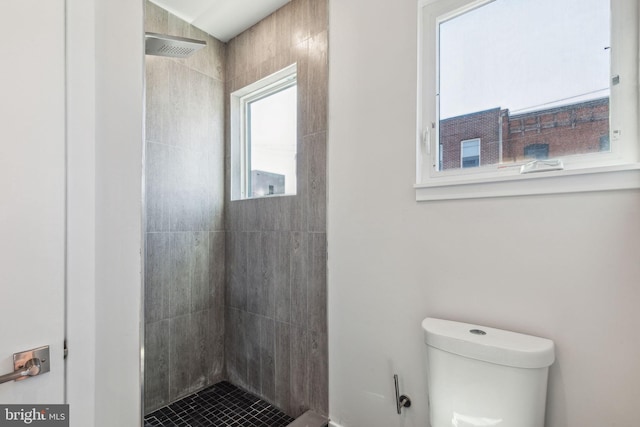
[488, 344]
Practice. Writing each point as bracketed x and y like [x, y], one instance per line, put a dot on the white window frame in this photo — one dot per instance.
[240, 99]
[619, 169]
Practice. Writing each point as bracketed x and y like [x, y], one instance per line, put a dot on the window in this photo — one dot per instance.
[499, 76]
[536, 151]
[264, 137]
[470, 153]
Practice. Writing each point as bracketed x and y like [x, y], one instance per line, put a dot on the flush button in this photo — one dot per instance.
[478, 332]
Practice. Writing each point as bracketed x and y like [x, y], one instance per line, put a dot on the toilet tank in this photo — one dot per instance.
[479, 376]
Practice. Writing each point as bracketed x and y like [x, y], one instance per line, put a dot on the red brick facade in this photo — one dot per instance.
[570, 129]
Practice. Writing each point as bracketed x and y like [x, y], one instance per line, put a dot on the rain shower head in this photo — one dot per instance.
[172, 46]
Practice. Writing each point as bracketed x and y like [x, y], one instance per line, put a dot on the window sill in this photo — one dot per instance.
[621, 177]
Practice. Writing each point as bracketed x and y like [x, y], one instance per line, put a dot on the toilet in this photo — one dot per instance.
[482, 377]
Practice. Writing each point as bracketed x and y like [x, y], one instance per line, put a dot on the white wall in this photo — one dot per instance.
[81, 239]
[565, 267]
[105, 134]
[118, 157]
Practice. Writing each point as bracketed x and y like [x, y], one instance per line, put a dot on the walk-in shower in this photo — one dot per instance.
[235, 290]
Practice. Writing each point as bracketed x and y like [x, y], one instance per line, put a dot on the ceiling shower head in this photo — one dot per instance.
[171, 46]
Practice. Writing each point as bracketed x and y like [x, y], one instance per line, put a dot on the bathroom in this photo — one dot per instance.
[394, 261]
[560, 266]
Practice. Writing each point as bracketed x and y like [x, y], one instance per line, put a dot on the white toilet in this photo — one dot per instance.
[482, 377]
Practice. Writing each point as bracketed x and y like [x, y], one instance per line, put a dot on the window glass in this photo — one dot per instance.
[525, 79]
[271, 143]
[470, 156]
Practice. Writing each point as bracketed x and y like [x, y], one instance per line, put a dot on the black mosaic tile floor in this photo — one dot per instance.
[221, 405]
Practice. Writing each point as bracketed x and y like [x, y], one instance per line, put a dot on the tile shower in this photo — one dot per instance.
[234, 290]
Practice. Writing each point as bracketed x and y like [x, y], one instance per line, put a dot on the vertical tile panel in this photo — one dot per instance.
[230, 59]
[267, 359]
[276, 63]
[319, 14]
[205, 193]
[235, 216]
[235, 346]
[241, 54]
[316, 119]
[263, 40]
[217, 164]
[217, 50]
[198, 357]
[317, 288]
[237, 250]
[157, 97]
[216, 315]
[155, 18]
[202, 61]
[268, 212]
[282, 279]
[299, 254]
[156, 369]
[301, 18]
[201, 293]
[251, 211]
[301, 52]
[180, 263]
[284, 29]
[217, 267]
[268, 265]
[199, 110]
[318, 372]
[291, 208]
[176, 126]
[157, 276]
[317, 282]
[215, 345]
[178, 27]
[254, 280]
[156, 187]
[178, 203]
[283, 366]
[316, 190]
[179, 350]
[253, 353]
[299, 375]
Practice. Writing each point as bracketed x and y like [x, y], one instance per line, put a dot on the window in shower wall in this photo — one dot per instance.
[264, 137]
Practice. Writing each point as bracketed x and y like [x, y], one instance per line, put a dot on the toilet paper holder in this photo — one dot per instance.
[402, 401]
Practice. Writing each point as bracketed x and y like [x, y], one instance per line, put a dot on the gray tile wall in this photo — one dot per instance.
[185, 237]
[276, 314]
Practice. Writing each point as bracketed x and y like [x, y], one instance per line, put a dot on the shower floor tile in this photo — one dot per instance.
[221, 405]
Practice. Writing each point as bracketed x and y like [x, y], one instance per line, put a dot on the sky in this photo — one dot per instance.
[524, 55]
[274, 135]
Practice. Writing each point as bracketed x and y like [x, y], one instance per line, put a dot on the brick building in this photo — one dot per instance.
[494, 136]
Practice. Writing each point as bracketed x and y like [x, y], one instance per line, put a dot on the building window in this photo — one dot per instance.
[264, 137]
[470, 153]
[536, 151]
[513, 83]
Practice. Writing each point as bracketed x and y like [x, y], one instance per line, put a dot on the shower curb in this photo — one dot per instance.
[310, 419]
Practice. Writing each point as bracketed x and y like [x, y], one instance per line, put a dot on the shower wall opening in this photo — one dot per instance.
[235, 291]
